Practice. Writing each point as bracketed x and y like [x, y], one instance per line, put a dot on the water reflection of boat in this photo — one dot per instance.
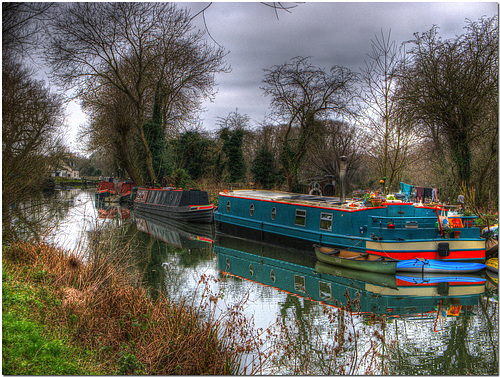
[108, 210]
[181, 234]
[295, 272]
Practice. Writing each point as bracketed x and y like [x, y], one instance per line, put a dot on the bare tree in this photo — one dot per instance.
[392, 137]
[110, 128]
[21, 25]
[338, 139]
[32, 117]
[131, 47]
[449, 88]
[302, 95]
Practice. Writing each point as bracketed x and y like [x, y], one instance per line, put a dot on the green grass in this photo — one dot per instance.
[29, 347]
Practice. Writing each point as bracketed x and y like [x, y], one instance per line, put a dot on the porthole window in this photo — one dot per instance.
[252, 208]
[273, 276]
[250, 269]
[228, 206]
[273, 213]
[227, 264]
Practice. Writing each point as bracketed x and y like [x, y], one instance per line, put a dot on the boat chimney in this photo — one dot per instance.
[343, 165]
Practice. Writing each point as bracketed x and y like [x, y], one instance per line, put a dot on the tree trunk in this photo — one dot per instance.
[147, 152]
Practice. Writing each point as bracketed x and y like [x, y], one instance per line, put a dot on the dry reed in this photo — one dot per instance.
[105, 311]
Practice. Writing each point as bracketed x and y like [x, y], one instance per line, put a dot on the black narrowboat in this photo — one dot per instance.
[182, 205]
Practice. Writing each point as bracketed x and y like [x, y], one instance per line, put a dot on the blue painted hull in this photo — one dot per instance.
[434, 266]
[400, 231]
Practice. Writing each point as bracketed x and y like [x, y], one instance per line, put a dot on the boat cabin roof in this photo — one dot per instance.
[312, 200]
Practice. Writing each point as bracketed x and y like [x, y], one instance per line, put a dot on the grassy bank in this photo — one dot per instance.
[30, 346]
[61, 316]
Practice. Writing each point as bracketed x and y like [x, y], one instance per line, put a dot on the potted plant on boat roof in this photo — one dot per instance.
[376, 201]
[367, 200]
[447, 232]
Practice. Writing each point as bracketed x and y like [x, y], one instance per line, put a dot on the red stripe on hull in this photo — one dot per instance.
[432, 254]
[404, 283]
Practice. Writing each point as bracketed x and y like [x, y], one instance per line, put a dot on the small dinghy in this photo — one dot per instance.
[355, 260]
[438, 266]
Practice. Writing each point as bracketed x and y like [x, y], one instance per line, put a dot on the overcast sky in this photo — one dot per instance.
[331, 33]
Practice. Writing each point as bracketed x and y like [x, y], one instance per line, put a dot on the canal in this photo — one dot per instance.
[311, 318]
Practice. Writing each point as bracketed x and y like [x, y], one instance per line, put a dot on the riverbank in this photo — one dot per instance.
[87, 319]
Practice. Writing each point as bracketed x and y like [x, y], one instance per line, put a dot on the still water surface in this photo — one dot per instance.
[393, 325]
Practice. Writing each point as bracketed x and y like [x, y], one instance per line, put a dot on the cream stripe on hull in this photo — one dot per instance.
[460, 290]
[424, 245]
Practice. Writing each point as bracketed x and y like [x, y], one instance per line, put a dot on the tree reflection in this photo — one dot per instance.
[466, 345]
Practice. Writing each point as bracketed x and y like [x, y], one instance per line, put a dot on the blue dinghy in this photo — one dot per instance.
[425, 265]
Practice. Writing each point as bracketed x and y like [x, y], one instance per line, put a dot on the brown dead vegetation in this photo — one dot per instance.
[104, 311]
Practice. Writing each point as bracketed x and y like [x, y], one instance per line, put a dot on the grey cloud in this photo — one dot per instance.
[330, 33]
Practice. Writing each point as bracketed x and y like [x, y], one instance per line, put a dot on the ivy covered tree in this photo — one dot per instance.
[192, 152]
[232, 148]
[232, 132]
[449, 88]
[155, 137]
[264, 169]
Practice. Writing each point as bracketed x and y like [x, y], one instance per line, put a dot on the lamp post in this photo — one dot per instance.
[343, 165]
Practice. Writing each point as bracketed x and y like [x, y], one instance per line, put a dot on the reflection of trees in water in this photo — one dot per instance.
[464, 345]
[37, 215]
[313, 338]
[162, 267]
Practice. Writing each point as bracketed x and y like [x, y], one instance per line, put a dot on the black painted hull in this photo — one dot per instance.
[181, 213]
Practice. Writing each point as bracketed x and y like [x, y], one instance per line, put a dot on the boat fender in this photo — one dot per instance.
[443, 288]
[444, 249]
[315, 191]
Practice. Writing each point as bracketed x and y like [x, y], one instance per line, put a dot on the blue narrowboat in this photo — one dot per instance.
[394, 230]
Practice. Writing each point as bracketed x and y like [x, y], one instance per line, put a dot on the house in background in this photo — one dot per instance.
[66, 169]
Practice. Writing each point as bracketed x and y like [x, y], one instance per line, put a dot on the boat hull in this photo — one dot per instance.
[201, 214]
[356, 261]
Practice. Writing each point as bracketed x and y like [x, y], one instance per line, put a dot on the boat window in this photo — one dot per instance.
[159, 196]
[177, 199]
[325, 222]
[273, 213]
[166, 197]
[300, 217]
[299, 283]
[325, 290]
[250, 269]
[251, 210]
[228, 206]
[152, 196]
[273, 276]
